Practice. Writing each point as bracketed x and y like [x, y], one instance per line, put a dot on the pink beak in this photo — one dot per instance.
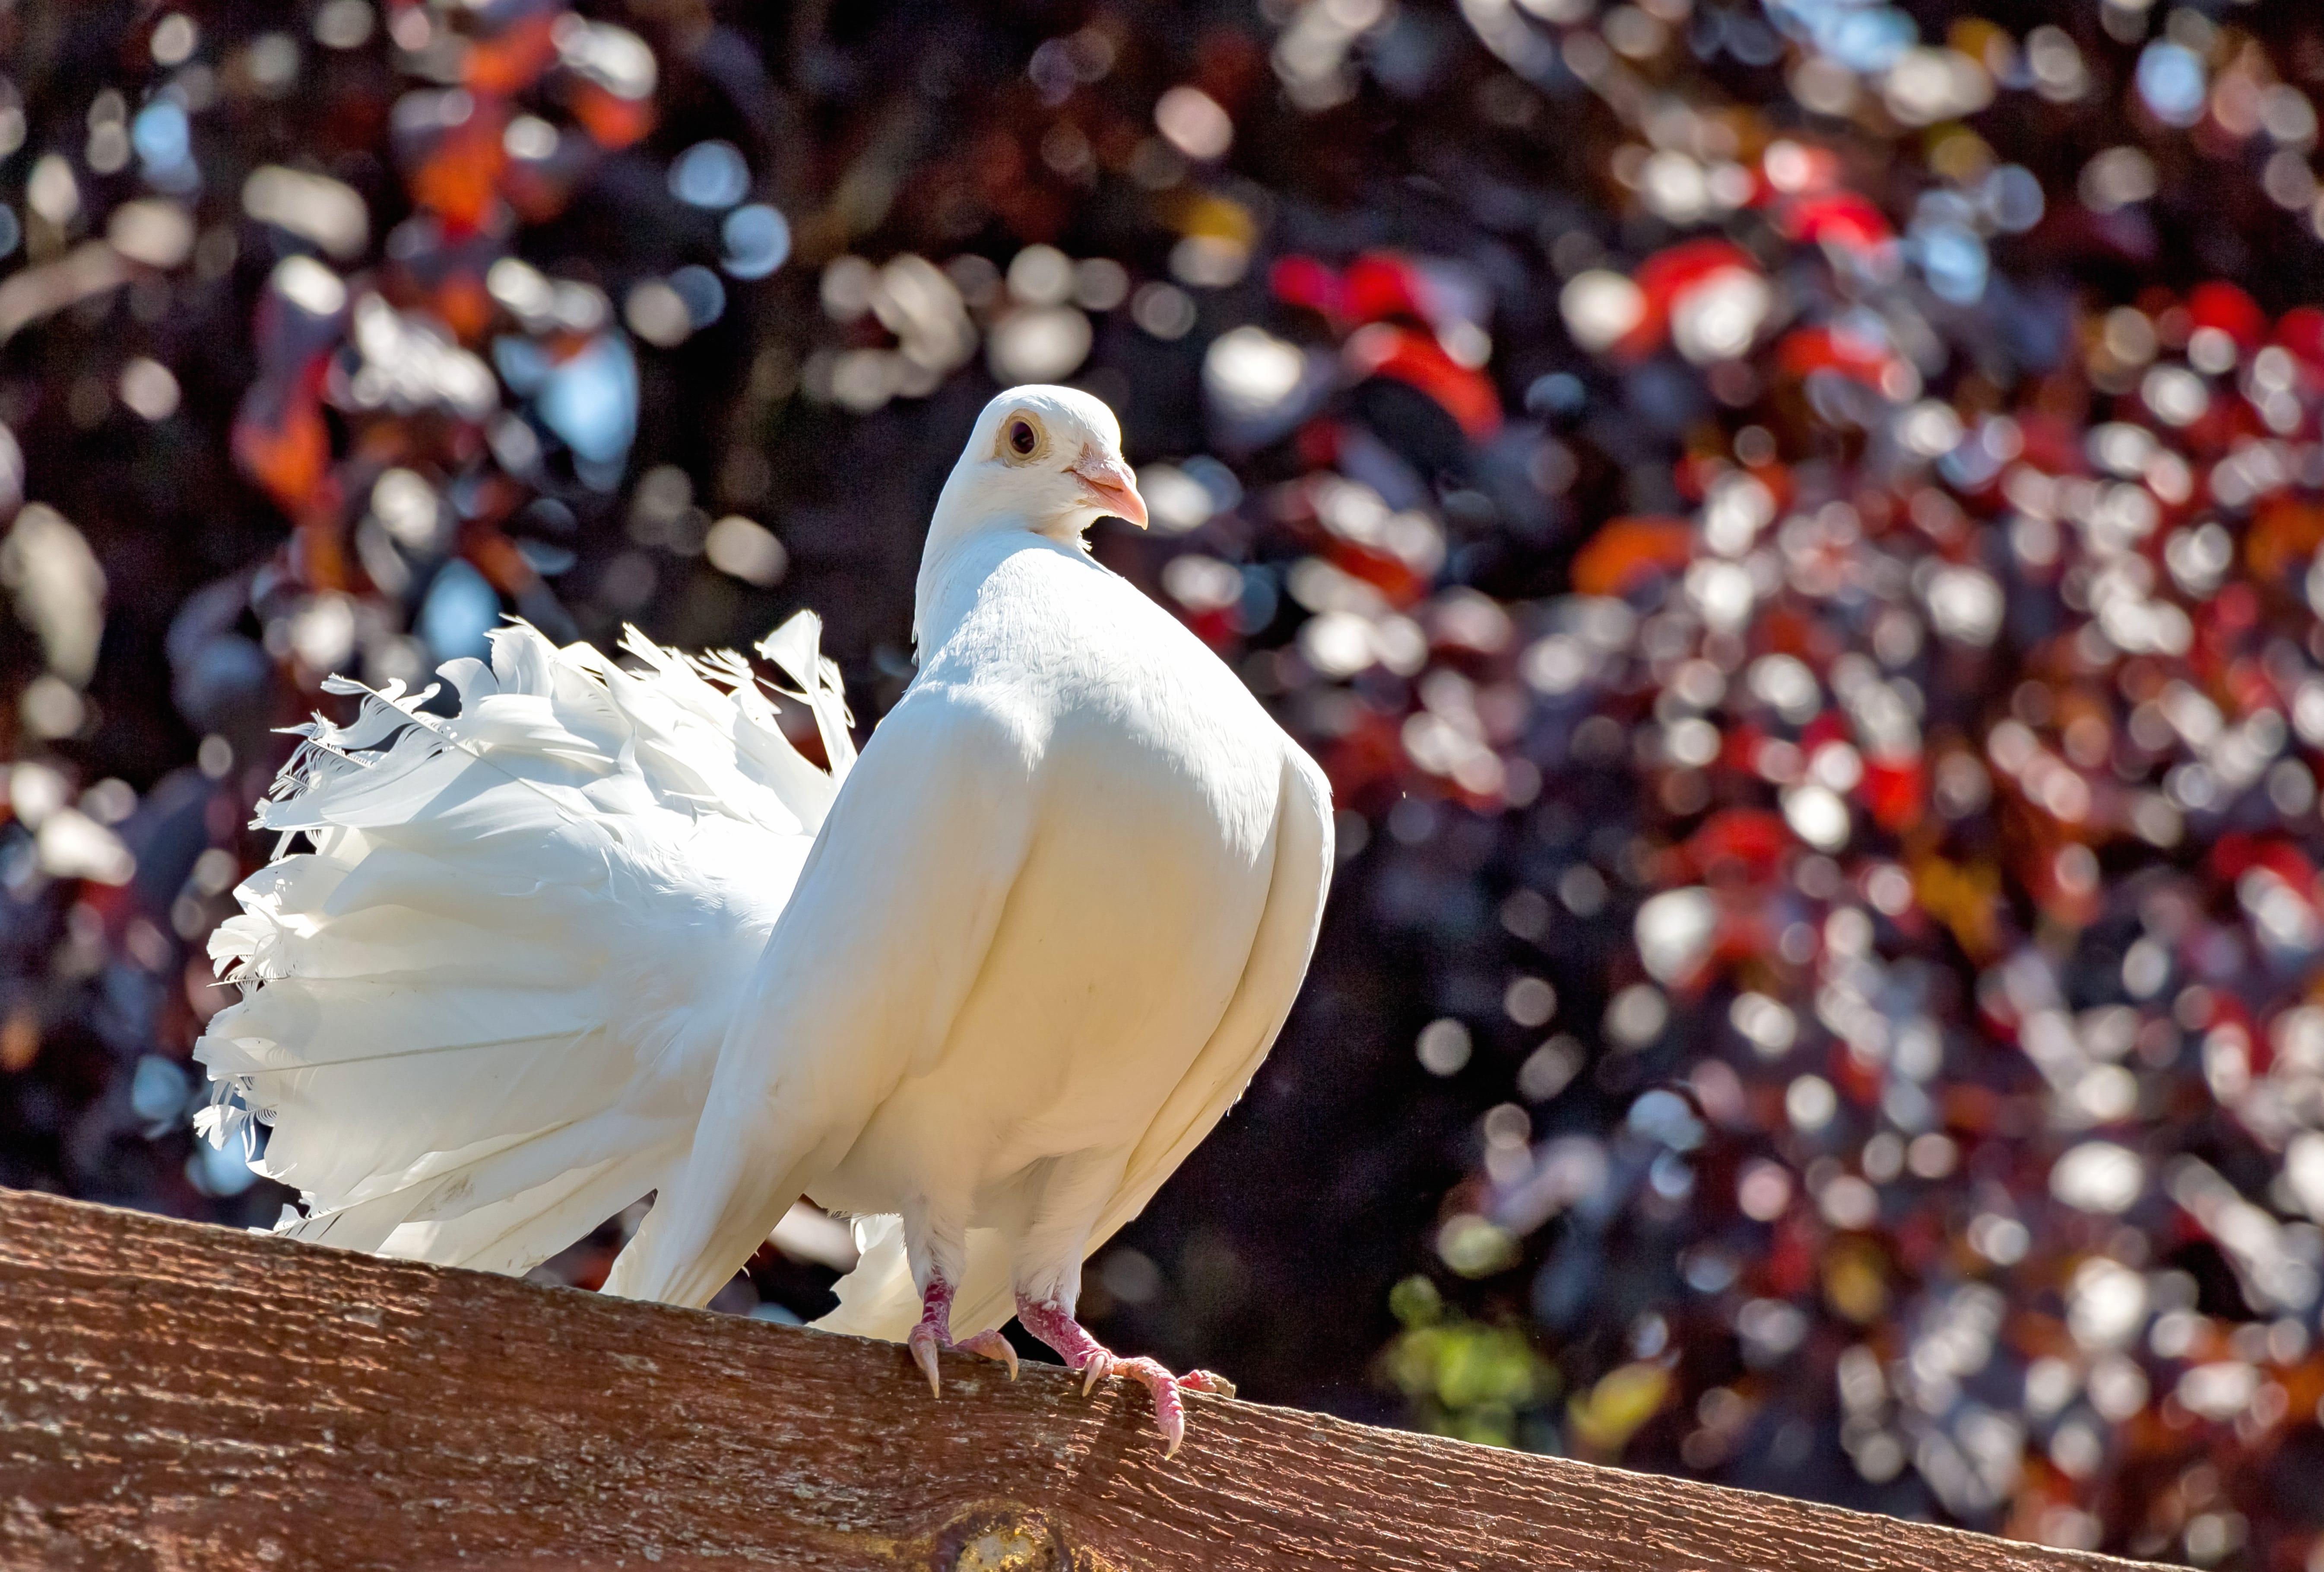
[1110, 486]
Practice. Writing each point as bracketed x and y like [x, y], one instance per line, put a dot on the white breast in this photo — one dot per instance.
[1130, 920]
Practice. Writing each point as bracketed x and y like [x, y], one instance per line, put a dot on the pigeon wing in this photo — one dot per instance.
[878, 1299]
[882, 939]
[1255, 1016]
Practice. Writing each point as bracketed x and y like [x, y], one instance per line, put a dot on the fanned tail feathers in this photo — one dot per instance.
[480, 1008]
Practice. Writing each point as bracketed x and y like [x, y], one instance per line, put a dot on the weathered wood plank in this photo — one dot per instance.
[188, 1398]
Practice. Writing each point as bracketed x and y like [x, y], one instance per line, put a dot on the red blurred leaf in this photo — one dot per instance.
[1625, 552]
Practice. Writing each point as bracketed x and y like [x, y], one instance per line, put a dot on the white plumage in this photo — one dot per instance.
[481, 1014]
[605, 931]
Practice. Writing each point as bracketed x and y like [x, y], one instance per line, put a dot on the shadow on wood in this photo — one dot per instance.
[176, 1397]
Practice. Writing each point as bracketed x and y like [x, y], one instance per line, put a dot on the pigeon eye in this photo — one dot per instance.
[1023, 440]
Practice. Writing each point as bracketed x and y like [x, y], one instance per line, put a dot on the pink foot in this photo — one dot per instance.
[1055, 1325]
[934, 1332]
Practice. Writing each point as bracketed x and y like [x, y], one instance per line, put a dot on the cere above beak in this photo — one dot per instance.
[1108, 485]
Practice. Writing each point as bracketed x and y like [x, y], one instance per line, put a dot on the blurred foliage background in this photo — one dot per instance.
[1791, 525]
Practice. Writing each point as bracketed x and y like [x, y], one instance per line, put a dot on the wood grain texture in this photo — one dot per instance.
[189, 1398]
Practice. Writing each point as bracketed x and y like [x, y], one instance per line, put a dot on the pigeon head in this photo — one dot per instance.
[1044, 458]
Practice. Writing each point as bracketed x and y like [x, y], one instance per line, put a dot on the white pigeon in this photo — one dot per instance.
[605, 931]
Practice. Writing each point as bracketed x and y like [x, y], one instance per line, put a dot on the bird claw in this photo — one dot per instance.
[923, 1344]
[1169, 1404]
[992, 1345]
[1208, 1381]
[933, 1334]
[926, 1340]
[1055, 1325]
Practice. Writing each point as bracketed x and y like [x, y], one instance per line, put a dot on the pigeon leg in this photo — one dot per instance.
[934, 1332]
[1055, 1325]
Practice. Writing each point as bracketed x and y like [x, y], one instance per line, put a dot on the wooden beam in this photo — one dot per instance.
[189, 1398]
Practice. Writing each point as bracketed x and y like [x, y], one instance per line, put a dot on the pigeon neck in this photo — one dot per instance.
[960, 551]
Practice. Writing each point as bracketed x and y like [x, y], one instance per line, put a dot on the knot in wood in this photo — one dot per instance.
[1016, 1548]
[1008, 1536]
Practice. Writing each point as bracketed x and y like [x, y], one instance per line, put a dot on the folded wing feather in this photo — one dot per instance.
[879, 1299]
